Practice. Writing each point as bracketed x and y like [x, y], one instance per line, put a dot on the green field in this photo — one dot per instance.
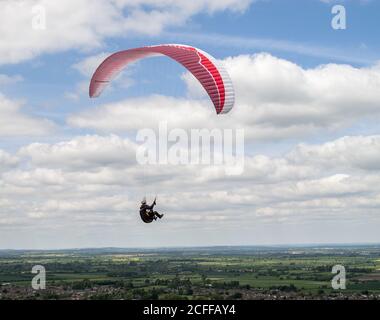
[193, 273]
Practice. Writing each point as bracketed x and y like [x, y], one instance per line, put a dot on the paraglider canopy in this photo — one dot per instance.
[209, 72]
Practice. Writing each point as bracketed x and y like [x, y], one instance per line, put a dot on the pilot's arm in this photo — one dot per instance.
[151, 206]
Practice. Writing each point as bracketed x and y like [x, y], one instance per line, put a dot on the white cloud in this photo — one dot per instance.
[81, 153]
[109, 162]
[84, 24]
[360, 152]
[275, 99]
[92, 181]
[137, 113]
[88, 65]
[68, 193]
[14, 122]
[281, 94]
[7, 160]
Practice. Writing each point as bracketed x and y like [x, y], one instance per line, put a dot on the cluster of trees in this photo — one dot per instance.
[286, 288]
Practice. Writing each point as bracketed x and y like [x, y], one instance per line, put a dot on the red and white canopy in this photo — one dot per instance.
[209, 72]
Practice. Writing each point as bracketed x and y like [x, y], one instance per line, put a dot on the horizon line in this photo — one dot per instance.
[301, 245]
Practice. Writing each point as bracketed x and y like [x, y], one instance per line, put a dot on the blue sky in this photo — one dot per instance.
[280, 28]
[307, 96]
[265, 26]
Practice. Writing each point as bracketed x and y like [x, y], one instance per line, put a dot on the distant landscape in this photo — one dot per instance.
[215, 273]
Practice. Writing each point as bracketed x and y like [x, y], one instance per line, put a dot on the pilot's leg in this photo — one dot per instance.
[158, 215]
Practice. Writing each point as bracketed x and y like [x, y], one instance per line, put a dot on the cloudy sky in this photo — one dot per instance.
[307, 96]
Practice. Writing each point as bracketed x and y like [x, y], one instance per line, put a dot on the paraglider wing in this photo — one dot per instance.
[211, 74]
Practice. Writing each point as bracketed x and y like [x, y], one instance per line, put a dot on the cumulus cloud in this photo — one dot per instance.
[31, 28]
[118, 116]
[88, 65]
[82, 153]
[281, 94]
[276, 99]
[360, 152]
[85, 190]
[98, 177]
[7, 160]
[14, 122]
